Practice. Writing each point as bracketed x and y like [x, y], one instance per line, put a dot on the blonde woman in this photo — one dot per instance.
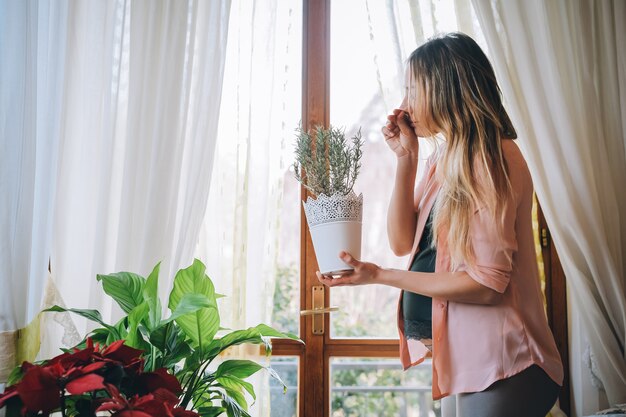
[472, 293]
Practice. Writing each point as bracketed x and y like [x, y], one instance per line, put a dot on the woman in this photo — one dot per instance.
[467, 226]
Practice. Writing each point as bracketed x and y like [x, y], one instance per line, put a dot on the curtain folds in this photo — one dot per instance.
[32, 50]
[239, 238]
[138, 127]
[563, 74]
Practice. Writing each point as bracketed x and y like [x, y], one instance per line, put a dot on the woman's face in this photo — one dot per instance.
[414, 103]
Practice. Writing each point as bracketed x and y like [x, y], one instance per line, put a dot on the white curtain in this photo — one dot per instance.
[137, 126]
[32, 51]
[562, 68]
[246, 214]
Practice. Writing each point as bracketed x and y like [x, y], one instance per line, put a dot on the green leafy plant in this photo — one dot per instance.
[186, 343]
[326, 162]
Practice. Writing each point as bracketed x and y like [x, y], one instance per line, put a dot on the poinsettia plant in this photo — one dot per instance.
[182, 347]
[93, 379]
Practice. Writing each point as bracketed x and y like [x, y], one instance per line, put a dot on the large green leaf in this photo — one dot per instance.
[178, 353]
[160, 336]
[151, 296]
[234, 383]
[239, 368]
[138, 315]
[211, 411]
[124, 287]
[235, 390]
[93, 315]
[201, 325]
[15, 376]
[168, 339]
[99, 336]
[233, 408]
[260, 334]
[190, 303]
[277, 377]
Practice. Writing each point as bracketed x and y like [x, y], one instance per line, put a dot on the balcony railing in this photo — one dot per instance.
[405, 394]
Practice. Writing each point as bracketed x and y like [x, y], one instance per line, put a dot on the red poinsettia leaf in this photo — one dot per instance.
[116, 403]
[151, 381]
[181, 412]
[57, 370]
[85, 383]
[121, 353]
[78, 358]
[151, 406]
[26, 366]
[8, 393]
[134, 367]
[111, 406]
[112, 347]
[56, 359]
[165, 396]
[114, 393]
[131, 413]
[92, 367]
[39, 390]
[78, 371]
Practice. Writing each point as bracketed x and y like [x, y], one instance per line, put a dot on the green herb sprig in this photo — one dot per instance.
[329, 164]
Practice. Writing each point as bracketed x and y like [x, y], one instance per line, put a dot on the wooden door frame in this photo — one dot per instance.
[315, 98]
[556, 303]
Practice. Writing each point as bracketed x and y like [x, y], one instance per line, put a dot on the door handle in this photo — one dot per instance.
[318, 309]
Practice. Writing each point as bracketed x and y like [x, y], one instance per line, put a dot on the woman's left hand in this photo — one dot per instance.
[363, 273]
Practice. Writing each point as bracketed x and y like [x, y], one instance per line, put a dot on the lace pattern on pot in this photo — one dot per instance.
[335, 208]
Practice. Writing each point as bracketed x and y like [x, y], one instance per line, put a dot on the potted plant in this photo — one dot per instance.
[328, 168]
[146, 365]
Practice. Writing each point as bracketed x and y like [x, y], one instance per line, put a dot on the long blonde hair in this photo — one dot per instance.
[460, 96]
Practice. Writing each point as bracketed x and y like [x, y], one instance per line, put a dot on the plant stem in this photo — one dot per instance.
[191, 383]
[192, 387]
[205, 389]
[63, 403]
[152, 357]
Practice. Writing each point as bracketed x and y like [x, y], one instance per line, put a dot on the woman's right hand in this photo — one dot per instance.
[400, 134]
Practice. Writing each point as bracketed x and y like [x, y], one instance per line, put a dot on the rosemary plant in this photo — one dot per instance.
[329, 164]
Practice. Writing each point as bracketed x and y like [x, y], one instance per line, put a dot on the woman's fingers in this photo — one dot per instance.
[406, 126]
[402, 120]
[390, 131]
[334, 282]
[349, 259]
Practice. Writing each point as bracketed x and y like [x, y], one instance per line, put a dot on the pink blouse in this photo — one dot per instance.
[477, 345]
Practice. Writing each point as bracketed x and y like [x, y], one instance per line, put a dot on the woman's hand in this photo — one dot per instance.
[400, 134]
[364, 273]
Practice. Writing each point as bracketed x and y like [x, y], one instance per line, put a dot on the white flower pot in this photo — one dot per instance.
[335, 223]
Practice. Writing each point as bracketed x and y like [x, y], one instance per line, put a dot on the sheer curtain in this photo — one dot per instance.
[239, 239]
[137, 125]
[562, 67]
[32, 50]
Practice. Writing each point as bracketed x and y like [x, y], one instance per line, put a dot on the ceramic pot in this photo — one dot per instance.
[335, 224]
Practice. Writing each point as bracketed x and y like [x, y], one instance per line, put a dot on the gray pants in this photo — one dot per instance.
[531, 393]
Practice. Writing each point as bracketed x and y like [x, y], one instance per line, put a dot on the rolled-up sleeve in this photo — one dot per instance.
[493, 252]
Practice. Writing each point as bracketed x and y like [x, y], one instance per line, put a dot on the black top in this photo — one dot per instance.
[416, 308]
